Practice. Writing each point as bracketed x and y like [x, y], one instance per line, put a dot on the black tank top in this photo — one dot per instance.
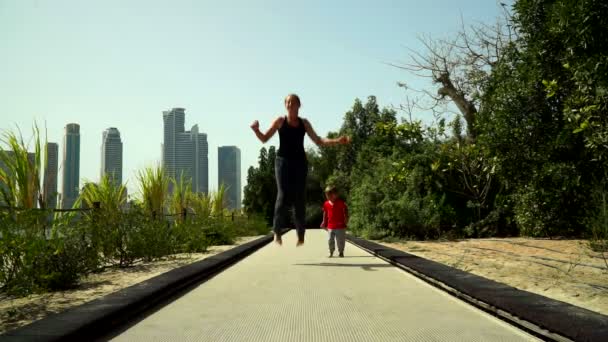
[292, 141]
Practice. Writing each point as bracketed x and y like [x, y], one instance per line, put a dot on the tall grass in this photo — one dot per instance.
[219, 201]
[154, 186]
[200, 204]
[111, 195]
[182, 192]
[21, 174]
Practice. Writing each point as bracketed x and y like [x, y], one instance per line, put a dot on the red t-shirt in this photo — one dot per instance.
[336, 214]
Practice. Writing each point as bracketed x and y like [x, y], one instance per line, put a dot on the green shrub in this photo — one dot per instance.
[32, 261]
[597, 221]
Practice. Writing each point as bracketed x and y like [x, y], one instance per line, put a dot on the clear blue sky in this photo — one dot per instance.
[118, 63]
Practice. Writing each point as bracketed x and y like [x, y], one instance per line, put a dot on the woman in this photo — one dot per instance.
[291, 167]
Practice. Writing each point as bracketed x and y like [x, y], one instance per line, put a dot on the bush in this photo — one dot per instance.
[219, 232]
[37, 255]
[145, 238]
[189, 237]
[392, 202]
[251, 225]
[61, 263]
[550, 205]
[597, 221]
[30, 261]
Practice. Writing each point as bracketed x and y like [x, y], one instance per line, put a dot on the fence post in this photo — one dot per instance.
[184, 213]
[232, 216]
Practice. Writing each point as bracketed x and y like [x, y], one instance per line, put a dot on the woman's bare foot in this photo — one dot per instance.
[277, 239]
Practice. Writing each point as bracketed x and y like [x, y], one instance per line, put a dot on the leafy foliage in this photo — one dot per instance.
[260, 192]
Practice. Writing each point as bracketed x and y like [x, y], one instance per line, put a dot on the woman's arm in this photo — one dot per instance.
[323, 141]
[264, 137]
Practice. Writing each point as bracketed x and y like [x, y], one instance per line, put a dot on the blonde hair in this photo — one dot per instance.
[331, 189]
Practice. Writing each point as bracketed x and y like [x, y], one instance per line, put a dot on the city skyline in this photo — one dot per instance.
[111, 161]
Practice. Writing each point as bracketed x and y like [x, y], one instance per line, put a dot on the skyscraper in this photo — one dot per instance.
[111, 155]
[200, 149]
[229, 173]
[185, 153]
[50, 175]
[71, 165]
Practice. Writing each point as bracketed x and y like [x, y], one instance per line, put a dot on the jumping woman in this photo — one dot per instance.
[291, 167]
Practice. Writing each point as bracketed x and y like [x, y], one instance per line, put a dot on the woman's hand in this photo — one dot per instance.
[344, 140]
[255, 126]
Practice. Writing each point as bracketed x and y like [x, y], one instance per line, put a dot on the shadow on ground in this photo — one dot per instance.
[366, 267]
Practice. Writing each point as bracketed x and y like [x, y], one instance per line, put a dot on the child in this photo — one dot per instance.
[335, 218]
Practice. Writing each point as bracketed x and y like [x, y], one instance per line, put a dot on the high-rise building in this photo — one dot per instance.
[111, 155]
[50, 175]
[185, 153]
[229, 173]
[200, 149]
[71, 166]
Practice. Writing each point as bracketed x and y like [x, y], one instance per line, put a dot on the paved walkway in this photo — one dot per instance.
[299, 294]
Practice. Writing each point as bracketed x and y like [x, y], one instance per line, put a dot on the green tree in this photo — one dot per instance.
[261, 190]
[361, 123]
[541, 112]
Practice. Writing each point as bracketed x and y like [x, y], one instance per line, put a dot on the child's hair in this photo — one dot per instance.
[331, 189]
[294, 96]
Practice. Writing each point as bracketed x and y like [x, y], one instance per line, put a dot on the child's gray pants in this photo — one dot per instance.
[336, 235]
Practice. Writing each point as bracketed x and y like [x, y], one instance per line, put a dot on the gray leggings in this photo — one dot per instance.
[338, 235]
[291, 188]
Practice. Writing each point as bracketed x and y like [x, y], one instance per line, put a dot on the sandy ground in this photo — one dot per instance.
[565, 270]
[16, 312]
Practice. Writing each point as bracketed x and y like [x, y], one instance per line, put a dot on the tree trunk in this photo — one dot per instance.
[466, 107]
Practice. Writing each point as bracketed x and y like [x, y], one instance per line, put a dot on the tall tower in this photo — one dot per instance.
[71, 165]
[185, 153]
[200, 160]
[50, 175]
[111, 155]
[229, 173]
[173, 125]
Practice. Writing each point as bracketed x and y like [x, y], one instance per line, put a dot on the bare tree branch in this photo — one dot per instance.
[461, 65]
